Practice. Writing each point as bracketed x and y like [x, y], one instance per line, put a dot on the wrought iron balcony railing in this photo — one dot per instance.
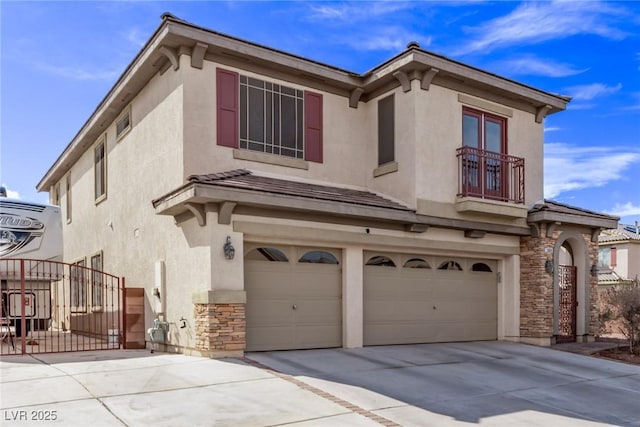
[489, 175]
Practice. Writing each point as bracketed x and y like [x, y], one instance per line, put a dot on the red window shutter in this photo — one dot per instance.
[227, 107]
[313, 127]
[614, 257]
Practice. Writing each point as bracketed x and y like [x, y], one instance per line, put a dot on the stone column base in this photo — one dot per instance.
[220, 327]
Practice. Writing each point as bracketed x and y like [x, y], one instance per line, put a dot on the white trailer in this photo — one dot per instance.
[30, 231]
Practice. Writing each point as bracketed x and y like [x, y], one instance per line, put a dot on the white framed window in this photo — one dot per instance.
[100, 169]
[97, 282]
[123, 123]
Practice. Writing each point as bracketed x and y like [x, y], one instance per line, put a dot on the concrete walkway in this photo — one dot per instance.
[488, 384]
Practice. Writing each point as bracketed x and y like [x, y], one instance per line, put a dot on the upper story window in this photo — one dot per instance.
[100, 170]
[386, 130]
[271, 118]
[68, 196]
[55, 196]
[123, 124]
[486, 170]
[484, 131]
[267, 117]
[607, 258]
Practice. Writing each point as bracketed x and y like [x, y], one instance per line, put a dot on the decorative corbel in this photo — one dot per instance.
[417, 228]
[354, 97]
[171, 55]
[541, 113]
[551, 227]
[197, 55]
[225, 211]
[474, 234]
[403, 79]
[535, 229]
[427, 78]
[595, 232]
[198, 211]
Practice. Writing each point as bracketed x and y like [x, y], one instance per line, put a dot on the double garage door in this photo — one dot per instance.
[417, 299]
[294, 298]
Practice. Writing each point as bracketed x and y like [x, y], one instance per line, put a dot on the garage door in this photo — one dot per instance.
[419, 299]
[294, 298]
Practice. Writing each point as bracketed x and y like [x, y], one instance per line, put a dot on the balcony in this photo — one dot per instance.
[490, 175]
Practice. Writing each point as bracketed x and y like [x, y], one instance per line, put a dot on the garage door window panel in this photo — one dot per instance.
[267, 254]
[417, 263]
[450, 265]
[481, 267]
[381, 261]
[318, 257]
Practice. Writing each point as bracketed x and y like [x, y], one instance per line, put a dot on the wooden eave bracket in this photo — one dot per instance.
[197, 55]
[541, 113]
[198, 211]
[354, 97]
[427, 78]
[172, 56]
[225, 211]
[403, 78]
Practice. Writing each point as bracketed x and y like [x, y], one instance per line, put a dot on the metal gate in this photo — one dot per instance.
[51, 307]
[567, 304]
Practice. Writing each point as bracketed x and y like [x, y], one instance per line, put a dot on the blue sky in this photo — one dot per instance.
[59, 59]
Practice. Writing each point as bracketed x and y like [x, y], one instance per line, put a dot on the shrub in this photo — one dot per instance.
[624, 305]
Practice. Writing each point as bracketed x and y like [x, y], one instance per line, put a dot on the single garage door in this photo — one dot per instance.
[420, 299]
[294, 298]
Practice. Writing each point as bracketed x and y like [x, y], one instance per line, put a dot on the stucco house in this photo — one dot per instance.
[619, 255]
[267, 201]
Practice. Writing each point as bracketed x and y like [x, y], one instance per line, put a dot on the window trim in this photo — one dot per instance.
[228, 115]
[387, 105]
[97, 307]
[68, 201]
[102, 141]
[126, 113]
[78, 281]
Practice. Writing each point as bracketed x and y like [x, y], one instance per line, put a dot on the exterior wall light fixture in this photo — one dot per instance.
[594, 270]
[229, 250]
[548, 266]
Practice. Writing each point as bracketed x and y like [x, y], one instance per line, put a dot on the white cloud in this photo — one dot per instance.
[532, 23]
[625, 209]
[568, 167]
[136, 37]
[531, 66]
[387, 38]
[552, 129]
[81, 74]
[356, 11]
[591, 91]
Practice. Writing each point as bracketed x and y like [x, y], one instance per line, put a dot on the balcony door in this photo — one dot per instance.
[486, 135]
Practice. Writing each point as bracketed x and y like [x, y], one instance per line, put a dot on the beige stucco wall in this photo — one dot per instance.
[173, 136]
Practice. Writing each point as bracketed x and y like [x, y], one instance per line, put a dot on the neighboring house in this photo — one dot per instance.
[619, 255]
[267, 201]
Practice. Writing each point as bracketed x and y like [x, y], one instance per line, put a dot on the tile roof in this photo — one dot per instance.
[553, 206]
[246, 180]
[622, 233]
[610, 277]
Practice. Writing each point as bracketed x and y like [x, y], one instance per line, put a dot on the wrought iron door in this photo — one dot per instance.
[567, 304]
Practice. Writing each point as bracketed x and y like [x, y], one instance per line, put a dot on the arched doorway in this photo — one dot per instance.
[567, 295]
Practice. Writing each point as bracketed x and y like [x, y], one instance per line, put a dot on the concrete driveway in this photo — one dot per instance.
[488, 384]
[479, 383]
